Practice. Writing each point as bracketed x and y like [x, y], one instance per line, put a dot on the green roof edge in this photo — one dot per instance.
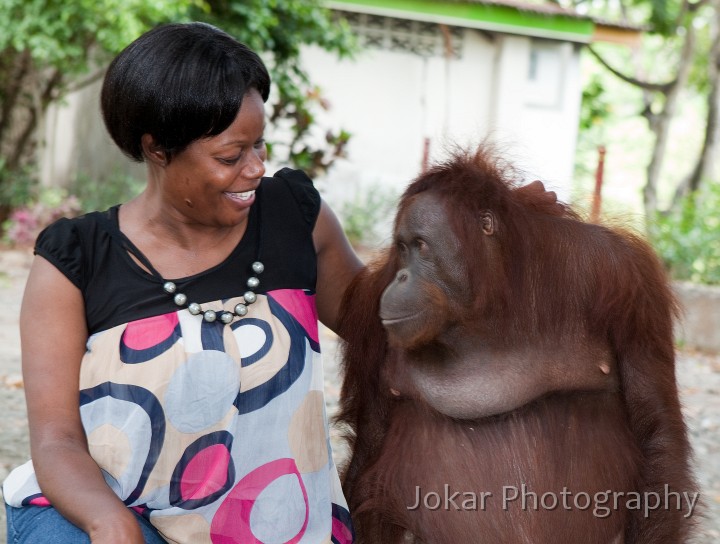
[491, 17]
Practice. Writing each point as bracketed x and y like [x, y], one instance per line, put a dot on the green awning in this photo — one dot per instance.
[490, 16]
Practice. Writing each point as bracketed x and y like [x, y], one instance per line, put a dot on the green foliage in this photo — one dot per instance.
[699, 79]
[364, 216]
[62, 34]
[658, 16]
[16, 188]
[661, 14]
[277, 26]
[595, 106]
[688, 239]
[100, 195]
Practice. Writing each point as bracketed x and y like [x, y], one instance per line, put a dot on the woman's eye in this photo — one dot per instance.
[260, 143]
[229, 160]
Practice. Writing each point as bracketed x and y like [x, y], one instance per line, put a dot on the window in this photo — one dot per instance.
[546, 74]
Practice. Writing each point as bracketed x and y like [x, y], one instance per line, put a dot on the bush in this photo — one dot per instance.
[366, 218]
[26, 222]
[688, 239]
[100, 195]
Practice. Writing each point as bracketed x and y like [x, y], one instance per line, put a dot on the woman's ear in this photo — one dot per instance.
[152, 151]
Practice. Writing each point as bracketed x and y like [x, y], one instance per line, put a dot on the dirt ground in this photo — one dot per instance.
[698, 375]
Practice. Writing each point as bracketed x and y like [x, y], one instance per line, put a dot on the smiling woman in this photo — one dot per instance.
[213, 180]
[174, 378]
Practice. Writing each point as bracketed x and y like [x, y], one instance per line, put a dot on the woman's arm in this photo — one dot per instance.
[53, 334]
[337, 265]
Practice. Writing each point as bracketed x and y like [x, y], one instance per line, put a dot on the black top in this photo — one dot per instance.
[93, 254]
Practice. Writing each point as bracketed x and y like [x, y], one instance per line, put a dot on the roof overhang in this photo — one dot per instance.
[497, 16]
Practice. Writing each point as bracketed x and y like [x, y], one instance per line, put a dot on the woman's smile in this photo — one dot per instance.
[242, 200]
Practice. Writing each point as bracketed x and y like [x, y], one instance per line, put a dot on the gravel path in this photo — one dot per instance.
[698, 374]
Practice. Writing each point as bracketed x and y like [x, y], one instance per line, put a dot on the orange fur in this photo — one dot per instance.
[550, 276]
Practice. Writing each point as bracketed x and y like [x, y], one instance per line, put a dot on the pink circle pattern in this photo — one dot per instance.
[231, 524]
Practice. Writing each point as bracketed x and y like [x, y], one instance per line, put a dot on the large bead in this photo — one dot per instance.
[250, 297]
[180, 299]
[194, 308]
[209, 316]
[241, 309]
[169, 287]
[258, 267]
[226, 317]
[253, 282]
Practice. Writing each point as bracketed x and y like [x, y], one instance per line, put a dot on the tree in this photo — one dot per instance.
[681, 26]
[705, 167]
[48, 47]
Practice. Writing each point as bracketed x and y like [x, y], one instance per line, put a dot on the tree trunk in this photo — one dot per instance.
[705, 167]
[661, 124]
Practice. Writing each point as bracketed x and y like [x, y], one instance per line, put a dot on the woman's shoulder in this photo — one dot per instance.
[293, 189]
[80, 225]
[68, 241]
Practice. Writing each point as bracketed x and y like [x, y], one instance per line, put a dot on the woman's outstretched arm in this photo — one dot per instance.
[53, 334]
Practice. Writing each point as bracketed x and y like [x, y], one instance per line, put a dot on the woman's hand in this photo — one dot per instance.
[119, 529]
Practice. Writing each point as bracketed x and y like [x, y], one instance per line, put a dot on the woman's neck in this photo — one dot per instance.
[176, 246]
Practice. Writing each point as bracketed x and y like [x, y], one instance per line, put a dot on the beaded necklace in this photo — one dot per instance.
[226, 317]
[181, 299]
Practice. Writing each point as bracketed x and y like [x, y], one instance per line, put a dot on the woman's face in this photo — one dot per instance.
[212, 182]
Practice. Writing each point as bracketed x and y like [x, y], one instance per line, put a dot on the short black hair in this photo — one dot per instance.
[179, 83]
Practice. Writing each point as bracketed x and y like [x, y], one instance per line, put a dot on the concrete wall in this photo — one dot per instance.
[699, 326]
[75, 142]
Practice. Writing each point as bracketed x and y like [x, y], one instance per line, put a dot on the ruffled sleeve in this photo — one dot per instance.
[60, 244]
[304, 193]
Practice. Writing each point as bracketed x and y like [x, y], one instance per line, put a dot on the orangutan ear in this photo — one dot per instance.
[487, 220]
[152, 150]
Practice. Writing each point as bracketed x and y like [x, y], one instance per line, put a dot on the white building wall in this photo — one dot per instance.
[536, 110]
[377, 98]
[391, 101]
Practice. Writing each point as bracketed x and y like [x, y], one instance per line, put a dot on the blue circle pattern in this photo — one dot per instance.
[149, 403]
[257, 397]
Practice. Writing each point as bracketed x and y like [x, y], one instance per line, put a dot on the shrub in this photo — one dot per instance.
[368, 217]
[26, 222]
[688, 239]
[96, 195]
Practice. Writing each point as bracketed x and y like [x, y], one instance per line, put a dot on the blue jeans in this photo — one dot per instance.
[45, 525]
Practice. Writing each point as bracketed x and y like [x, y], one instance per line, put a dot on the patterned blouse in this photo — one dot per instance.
[216, 433]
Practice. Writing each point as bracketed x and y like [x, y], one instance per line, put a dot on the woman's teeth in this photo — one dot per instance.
[241, 196]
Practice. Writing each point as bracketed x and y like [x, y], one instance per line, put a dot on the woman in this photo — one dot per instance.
[188, 317]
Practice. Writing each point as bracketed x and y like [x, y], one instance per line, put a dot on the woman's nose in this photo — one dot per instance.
[255, 166]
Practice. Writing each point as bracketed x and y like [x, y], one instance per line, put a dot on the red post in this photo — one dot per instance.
[426, 155]
[597, 194]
